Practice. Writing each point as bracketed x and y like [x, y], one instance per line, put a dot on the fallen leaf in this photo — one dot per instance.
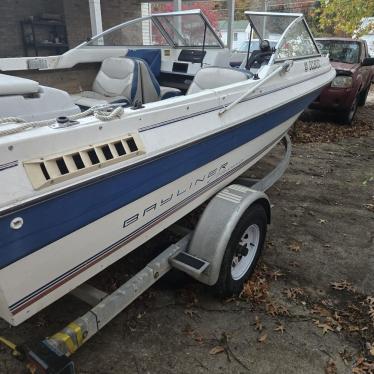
[198, 338]
[363, 366]
[280, 328]
[275, 274]
[216, 350]
[258, 324]
[262, 338]
[256, 289]
[370, 348]
[275, 309]
[293, 293]
[369, 207]
[343, 285]
[324, 326]
[330, 367]
[295, 246]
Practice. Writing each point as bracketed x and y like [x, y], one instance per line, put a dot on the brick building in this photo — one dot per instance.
[75, 13]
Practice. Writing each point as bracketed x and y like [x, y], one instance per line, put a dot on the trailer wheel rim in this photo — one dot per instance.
[241, 263]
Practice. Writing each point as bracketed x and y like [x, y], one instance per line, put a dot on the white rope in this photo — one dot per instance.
[8, 120]
[102, 113]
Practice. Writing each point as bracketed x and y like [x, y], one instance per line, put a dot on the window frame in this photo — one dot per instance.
[154, 18]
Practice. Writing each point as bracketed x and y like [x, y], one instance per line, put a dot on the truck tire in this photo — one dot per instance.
[347, 116]
[363, 96]
[242, 252]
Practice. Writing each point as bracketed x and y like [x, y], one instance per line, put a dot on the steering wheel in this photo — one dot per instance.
[259, 59]
[260, 56]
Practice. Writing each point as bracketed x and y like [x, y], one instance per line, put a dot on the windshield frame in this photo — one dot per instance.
[280, 41]
[156, 22]
[248, 14]
[299, 17]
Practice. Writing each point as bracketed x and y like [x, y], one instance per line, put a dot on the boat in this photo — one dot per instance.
[88, 176]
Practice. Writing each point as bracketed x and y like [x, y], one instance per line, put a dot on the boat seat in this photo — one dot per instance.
[118, 80]
[213, 77]
[222, 59]
[26, 99]
[151, 90]
[151, 56]
[10, 85]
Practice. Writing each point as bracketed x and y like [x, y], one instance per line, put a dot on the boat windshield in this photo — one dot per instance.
[271, 26]
[177, 29]
[289, 30]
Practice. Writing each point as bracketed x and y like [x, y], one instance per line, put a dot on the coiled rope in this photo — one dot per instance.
[102, 113]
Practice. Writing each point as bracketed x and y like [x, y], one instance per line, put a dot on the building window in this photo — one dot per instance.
[235, 36]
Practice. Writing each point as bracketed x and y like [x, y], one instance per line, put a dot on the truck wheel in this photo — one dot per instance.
[347, 116]
[363, 97]
[242, 252]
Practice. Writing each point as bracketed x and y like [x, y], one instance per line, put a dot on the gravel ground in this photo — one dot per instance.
[307, 309]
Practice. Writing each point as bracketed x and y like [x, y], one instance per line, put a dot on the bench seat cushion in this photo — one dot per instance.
[89, 99]
[10, 85]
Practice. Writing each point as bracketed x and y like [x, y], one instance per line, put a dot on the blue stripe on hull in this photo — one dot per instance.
[54, 218]
[71, 273]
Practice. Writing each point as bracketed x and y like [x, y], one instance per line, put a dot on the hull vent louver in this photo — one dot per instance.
[58, 168]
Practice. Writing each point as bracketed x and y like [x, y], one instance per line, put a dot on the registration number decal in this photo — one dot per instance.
[312, 65]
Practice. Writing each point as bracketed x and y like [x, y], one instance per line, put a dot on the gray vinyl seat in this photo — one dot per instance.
[213, 77]
[11, 85]
[118, 80]
[222, 59]
[26, 99]
[151, 90]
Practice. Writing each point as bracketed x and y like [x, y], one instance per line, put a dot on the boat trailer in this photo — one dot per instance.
[200, 254]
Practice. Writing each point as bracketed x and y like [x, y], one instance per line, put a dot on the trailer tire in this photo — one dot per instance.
[239, 261]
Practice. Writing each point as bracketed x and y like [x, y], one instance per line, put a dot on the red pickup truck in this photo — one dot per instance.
[354, 75]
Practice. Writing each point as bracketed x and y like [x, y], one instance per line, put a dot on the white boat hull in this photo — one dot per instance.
[104, 241]
[76, 227]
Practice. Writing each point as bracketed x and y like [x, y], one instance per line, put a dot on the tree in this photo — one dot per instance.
[242, 5]
[344, 17]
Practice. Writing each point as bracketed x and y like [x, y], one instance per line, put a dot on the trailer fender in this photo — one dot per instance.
[219, 219]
